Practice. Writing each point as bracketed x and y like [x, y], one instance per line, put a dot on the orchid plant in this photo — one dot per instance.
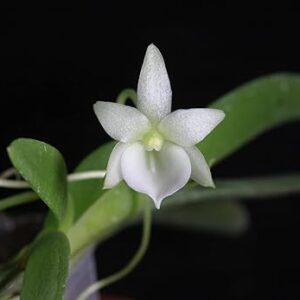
[156, 154]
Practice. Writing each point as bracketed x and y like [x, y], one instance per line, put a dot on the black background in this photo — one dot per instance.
[56, 62]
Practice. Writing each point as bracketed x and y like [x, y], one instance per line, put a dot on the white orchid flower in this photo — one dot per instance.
[156, 152]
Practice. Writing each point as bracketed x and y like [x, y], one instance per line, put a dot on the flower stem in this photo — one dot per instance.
[86, 175]
[13, 184]
[132, 263]
[21, 184]
[8, 173]
[27, 197]
[18, 199]
[127, 94]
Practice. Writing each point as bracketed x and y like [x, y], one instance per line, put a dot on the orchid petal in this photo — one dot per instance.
[200, 169]
[154, 89]
[122, 123]
[187, 127]
[156, 173]
[113, 173]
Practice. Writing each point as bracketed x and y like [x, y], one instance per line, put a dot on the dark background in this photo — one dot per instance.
[56, 62]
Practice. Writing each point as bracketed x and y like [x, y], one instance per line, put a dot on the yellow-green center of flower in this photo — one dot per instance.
[153, 140]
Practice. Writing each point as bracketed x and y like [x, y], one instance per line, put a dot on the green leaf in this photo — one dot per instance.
[105, 215]
[47, 268]
[51, 222]
[246, 188]
[252, 109]
[43, 167]
[223, 216]
[86, 192]
[197, 208]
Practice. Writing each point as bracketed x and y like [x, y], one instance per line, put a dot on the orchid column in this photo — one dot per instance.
[156, 152]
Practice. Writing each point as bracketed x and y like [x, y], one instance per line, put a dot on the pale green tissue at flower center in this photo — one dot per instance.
[153, 140]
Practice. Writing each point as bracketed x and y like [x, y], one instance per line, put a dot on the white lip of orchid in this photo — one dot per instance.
[156, 153]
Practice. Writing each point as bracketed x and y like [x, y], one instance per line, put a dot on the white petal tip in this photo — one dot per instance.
[210, 184]
[152, 50]
[157, 203]
[222, 115]
[151, 47]
[97, 104]
[107, 186]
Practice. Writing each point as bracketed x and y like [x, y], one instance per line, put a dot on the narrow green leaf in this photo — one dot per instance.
[246, 188]
[252, 109]
[47, 268]
[223, 216]
[106, 214]
[43, 167]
